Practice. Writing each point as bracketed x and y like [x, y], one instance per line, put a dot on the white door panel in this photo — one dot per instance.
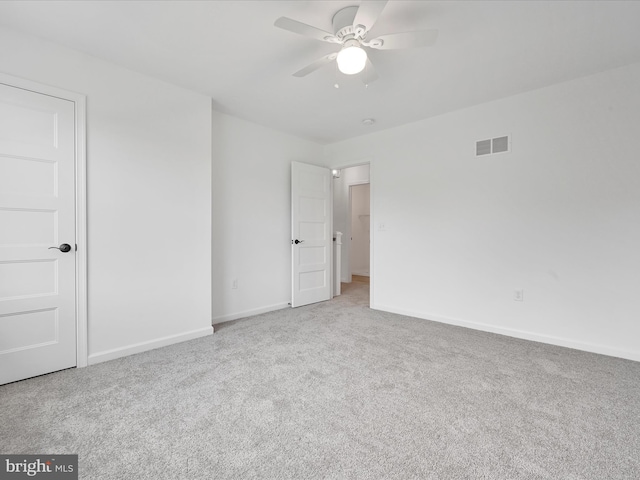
[37, 211]
[311, 228]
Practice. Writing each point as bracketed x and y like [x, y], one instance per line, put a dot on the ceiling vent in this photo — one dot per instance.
[493, 145]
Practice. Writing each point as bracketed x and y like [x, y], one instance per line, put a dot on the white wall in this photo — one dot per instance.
[360, 230]
[252, 215]
[355, 175]
[559, 216]
[149, 197]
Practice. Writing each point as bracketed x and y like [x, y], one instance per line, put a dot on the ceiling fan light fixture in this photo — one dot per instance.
[351, 59]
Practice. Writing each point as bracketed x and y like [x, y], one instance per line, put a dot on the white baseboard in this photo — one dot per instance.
[249, 313]
[150, 345]
[512, 332]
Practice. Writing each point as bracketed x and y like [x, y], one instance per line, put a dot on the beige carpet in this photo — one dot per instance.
[335, 390]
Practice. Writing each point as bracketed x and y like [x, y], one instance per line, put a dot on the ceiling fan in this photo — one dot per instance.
[351, 26]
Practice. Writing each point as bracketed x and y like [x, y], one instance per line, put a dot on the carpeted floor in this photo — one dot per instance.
[335, 390]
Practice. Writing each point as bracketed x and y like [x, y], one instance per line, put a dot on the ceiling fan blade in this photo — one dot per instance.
[316, 65]
[304, 29]
[369, 73]
[403, 40]
[368, 13]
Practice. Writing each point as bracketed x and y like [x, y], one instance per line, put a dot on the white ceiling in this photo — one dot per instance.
[231, 51]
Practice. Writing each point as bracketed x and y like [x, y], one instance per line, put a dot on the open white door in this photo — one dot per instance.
[37, 234]
[310, 234]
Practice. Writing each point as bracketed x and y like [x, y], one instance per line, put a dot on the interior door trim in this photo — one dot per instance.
[80, 106]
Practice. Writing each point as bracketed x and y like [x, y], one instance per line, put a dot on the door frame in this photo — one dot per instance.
[80, 113]
[357, 163]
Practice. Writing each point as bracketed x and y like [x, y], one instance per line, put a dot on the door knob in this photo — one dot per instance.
[298, 241]
[64, 248]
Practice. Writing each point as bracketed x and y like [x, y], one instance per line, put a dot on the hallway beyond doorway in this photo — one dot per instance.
[360, 279]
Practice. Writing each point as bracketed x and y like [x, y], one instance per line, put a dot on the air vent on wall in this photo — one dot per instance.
[492, 145]
[483, 147]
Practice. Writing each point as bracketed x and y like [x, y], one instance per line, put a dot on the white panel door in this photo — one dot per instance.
[37, 211]
[310, 233]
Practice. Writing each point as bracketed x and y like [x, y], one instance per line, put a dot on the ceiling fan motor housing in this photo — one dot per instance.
[343, 24]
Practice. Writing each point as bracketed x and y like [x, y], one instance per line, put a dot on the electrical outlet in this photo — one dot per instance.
[382, 227]
[518, 295]
[234, 285]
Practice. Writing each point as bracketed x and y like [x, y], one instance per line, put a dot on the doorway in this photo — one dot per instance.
[352, 214]
[43, 247]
